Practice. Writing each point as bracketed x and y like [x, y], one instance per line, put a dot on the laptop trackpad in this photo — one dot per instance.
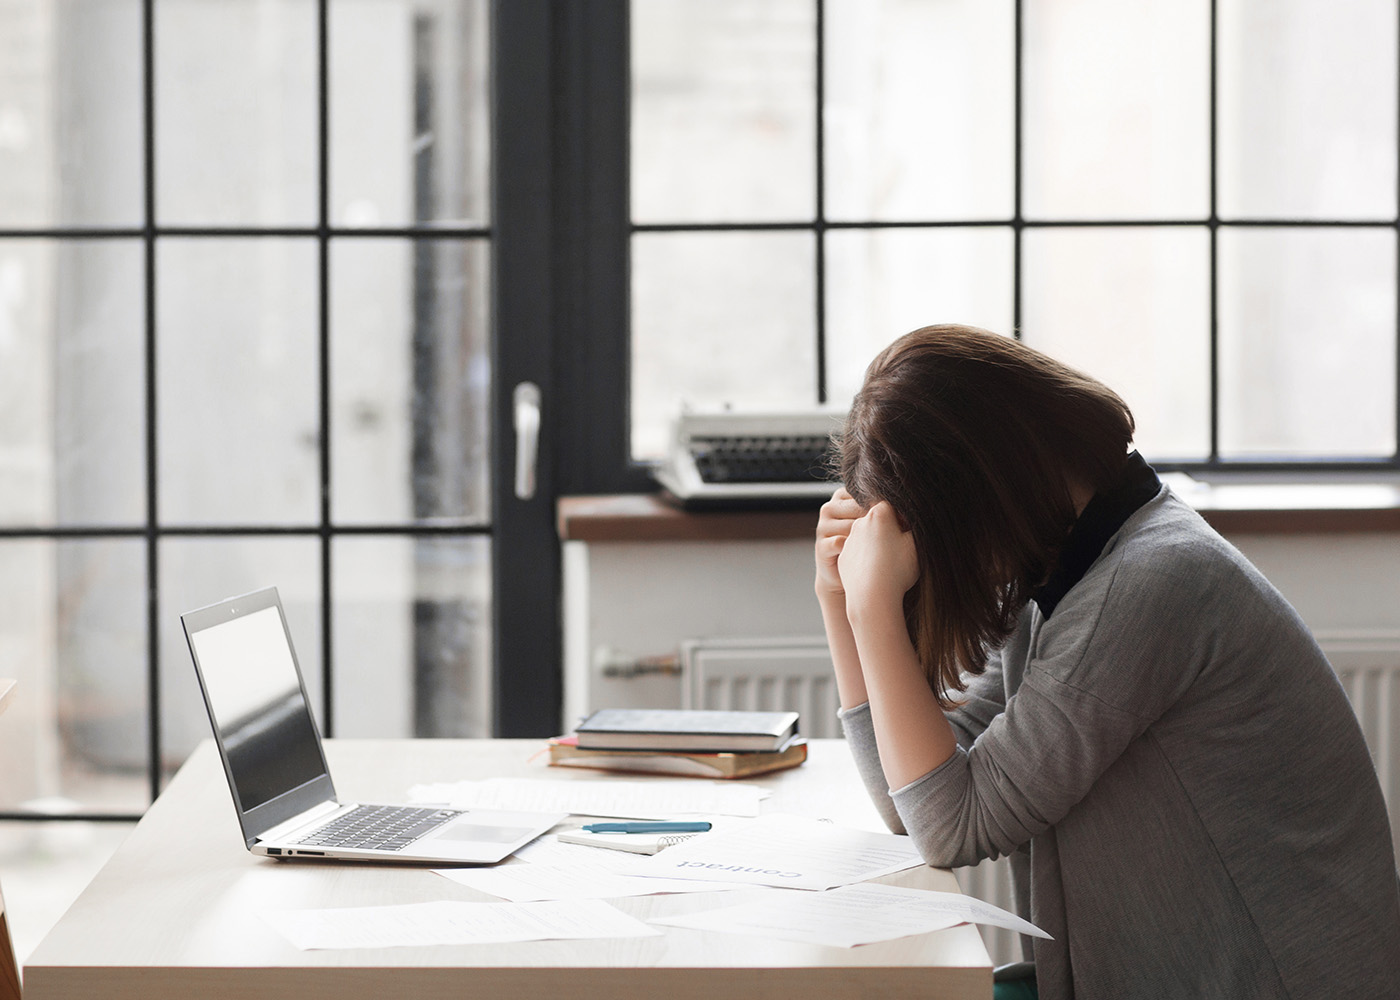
[482, 833]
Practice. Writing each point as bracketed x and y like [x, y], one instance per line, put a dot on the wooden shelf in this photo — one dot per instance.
[646, 517]
[1245, 508]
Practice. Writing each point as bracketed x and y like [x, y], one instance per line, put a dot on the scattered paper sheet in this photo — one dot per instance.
[851, 915]
[547, 850]
[783, 850]
[452, 922]
[522, 883]
[552, 870]
[601, 797]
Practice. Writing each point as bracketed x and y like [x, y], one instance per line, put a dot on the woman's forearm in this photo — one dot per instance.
[911, 731]
[850, 684]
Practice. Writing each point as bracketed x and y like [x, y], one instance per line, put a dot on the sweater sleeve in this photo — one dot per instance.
[1035, 761]
[1110, 661]
[860, 738]
[982, 701]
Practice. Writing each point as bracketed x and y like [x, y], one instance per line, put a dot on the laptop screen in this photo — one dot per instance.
[256, 700]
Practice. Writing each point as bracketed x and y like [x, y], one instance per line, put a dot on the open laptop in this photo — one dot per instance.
[276, 765]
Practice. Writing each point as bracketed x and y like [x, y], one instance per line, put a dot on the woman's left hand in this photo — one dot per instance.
[878, 562]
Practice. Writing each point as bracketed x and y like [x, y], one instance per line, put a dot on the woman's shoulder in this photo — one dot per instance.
[1165, 570]
[1166, 540]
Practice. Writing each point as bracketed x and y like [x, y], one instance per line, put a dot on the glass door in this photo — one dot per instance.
[263, 309]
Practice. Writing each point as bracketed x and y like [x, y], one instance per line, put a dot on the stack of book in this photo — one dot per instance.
[700, 742]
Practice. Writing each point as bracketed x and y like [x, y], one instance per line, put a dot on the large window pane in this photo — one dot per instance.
[72, 366]
[195, 572]
[1307, 342]
[72, 633]
[238, 406]
[1116, 99]
[412, 639]
[719, 318]
[70, 113]
[723, 110]
[1307, 109]
[410, 380]
[885, 282]
[918, 115]
[408, 131]
[99, 383]
[1131, 307]
[235, 119]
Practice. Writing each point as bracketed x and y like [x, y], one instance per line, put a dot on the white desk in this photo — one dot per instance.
[177, 915]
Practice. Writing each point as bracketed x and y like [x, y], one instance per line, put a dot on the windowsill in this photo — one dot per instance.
[1230, 506]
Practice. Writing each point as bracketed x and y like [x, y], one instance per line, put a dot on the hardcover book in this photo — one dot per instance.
[564, 751]
[685, 729]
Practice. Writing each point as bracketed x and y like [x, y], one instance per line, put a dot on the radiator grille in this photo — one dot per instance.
[783, 675]
[1368, 665]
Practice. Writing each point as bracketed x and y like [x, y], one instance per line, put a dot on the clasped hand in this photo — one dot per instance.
[864, 555]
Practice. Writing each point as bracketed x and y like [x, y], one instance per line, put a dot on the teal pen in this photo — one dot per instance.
[680, 826]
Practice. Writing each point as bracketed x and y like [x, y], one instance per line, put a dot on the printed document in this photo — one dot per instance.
[452, 922]
[851, 915]
[784, 850]
[522, 883]
[554, 870]
[597, 797]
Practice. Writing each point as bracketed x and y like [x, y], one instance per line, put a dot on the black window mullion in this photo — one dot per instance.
[154, 748]
[1017, 219]
[527, 680]
[323, 249]
[592, 328]
[1213, 454]
[819, 231]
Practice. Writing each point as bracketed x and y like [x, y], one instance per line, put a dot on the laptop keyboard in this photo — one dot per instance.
[378, 828]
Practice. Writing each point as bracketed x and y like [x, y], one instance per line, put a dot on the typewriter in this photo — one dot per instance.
[750, 459]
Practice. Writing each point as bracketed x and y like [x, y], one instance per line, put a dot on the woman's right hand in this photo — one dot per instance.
[833, 528]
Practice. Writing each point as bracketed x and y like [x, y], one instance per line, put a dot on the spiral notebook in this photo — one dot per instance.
[637, 843]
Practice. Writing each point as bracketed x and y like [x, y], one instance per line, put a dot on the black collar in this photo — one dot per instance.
[1097, 523]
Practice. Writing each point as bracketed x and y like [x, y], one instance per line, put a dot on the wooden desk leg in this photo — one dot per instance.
[9, 965]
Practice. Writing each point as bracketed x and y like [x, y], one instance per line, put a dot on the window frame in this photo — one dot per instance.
[525, 667]
[600, 386]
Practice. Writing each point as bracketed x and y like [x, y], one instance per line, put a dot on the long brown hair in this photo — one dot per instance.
[976, 441]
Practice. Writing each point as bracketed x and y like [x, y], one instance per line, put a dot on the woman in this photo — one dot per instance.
[1041, 652]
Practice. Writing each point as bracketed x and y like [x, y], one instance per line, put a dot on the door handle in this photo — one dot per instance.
[525, 401]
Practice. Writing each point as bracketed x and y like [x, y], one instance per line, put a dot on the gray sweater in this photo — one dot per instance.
[1179, 778]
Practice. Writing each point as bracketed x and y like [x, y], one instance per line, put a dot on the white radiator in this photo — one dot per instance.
[784, 675]
[1368, 665]
[795, 674]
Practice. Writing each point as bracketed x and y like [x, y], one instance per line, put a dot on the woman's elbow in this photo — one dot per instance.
[944, 841]
[885, 807]
[944, 852]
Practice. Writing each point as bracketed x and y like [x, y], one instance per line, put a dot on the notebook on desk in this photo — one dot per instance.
[276, 765]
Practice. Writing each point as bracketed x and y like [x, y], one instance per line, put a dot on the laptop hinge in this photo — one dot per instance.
[320, 811]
